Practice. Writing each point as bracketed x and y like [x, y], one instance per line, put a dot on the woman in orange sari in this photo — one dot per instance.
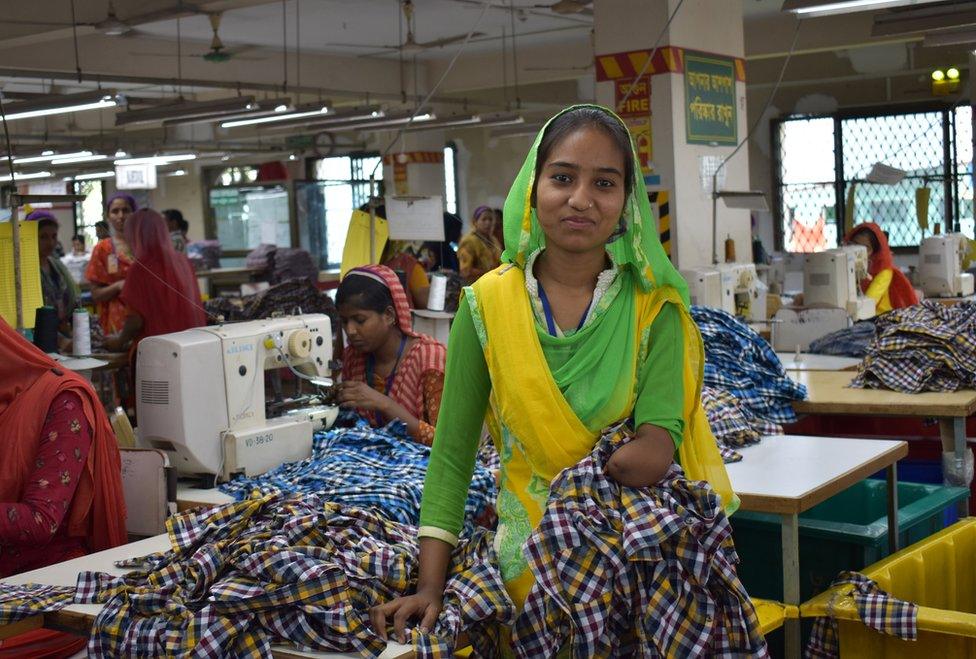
[60, 475]
[110, 261]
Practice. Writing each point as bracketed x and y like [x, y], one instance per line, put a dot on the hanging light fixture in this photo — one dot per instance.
[186, 110]
[299, 112]
[61, 104]
[23, 177]
[266, 107]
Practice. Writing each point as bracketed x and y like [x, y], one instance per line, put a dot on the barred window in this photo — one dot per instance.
[821, 161]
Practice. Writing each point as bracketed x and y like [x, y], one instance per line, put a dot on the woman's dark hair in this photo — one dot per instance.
[79, 237]
[46, 222]
[173, 214]
[568, 123]
[364, 293]
[102, 224]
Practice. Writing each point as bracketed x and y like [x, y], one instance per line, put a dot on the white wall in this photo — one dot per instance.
[186, 194]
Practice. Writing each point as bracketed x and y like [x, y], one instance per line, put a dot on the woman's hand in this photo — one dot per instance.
[425, 605]
[644, 460]
[362, 396]
[115, 343]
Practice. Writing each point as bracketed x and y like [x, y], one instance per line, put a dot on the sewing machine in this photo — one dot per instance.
[708, 287]
[749, 294]
[832, 279]
[940, 260]
[200, 394]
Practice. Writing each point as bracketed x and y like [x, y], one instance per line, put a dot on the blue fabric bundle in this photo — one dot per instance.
[365, 467]
[742, 363]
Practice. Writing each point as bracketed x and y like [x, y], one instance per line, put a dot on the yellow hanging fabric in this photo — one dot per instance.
[355, 253]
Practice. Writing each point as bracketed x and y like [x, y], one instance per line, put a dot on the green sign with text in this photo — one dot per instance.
[710, 116]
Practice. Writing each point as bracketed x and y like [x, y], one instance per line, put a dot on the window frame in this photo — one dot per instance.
[951, 172]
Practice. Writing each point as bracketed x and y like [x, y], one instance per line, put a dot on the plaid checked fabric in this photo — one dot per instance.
[741, 362]
[733, 424]
[878, 610]
[360, 466]
[852, 341]
[634, 572]
[23, 601]
[286, 569]
[926, 347]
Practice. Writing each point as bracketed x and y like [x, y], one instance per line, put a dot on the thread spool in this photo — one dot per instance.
[438, 292]
[81, 332]
[46, 329]
[729, 249]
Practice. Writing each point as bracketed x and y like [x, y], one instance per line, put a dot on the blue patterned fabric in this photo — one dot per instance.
[365, 467]
[852, 341]
[742, 363]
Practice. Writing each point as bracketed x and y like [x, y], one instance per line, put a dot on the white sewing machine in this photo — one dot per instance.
[749, 294]
[832, 279]
[940, 260]
[200, 394]
[708, 287]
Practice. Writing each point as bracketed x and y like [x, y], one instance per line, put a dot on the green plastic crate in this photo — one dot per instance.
[848, 531]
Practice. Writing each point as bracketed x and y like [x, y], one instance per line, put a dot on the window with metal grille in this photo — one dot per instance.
[822, 166]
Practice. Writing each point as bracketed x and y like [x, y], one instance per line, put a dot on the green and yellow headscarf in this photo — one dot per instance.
[639, 248]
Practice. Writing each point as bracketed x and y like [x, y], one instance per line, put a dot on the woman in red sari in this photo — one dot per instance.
[160, 292]
[388, 370]
[60, 476]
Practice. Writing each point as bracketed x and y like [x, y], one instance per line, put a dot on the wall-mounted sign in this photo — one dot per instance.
[710, 108]
[636, 113]
[135, 177]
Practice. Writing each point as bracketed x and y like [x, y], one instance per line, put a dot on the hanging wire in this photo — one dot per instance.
[179, 57]
[508, 104]
[74, 32]
[518, 96]
[284, 43]
[298, 45]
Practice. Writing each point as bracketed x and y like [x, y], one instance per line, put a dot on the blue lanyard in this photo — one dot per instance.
[371, 366]
[547, 310]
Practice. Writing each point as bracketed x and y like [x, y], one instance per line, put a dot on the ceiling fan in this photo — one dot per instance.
[566, 7]
[113, 26]
[218, 52]
[411, 46]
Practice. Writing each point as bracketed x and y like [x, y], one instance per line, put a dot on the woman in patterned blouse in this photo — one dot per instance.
[388, 370]
[60, 472]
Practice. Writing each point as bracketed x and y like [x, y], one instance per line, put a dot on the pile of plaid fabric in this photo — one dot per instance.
[742, 363]
[733, 424]
[619, 572]
[926, 347]
[378, 468]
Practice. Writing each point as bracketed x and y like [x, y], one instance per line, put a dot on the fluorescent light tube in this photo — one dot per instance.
[88, 158]
[90, 177]
[48, 156]
[277, 116]
[814, 8]
[61, 105]
[23, 177]
[185, 110]
[156, 160]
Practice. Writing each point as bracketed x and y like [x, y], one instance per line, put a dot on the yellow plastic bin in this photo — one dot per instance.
[772, 614]
[939, 575]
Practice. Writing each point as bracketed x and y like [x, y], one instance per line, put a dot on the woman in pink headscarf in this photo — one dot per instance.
[160, 289]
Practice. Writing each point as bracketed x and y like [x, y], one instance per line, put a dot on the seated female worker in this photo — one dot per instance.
[160, 291]
[388, 370]
[887, 284]
[586, 324]
[60, 476]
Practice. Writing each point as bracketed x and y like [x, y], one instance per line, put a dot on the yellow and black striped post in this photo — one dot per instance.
[660, 201]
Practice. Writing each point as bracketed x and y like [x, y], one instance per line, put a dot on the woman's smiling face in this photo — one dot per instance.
[580, 193]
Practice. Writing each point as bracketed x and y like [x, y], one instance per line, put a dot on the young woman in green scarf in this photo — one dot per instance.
[585, 324]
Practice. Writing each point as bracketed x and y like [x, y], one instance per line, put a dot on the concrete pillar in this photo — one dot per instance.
[689, 131]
